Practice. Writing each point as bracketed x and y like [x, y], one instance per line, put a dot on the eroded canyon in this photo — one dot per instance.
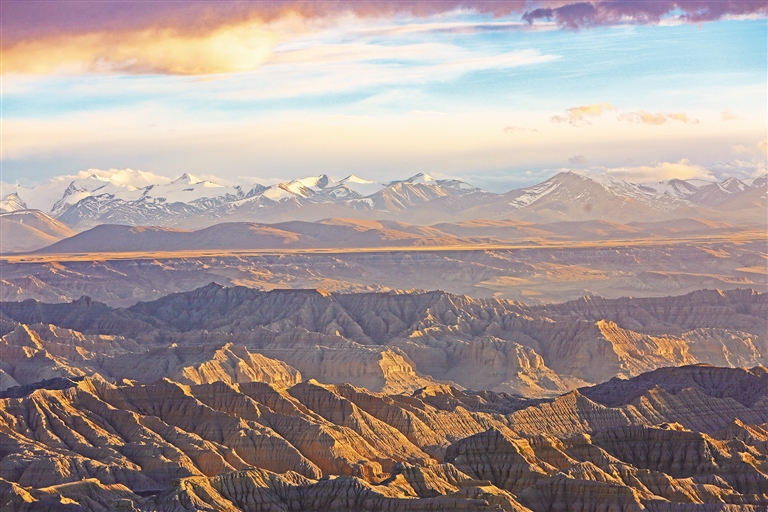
[240, 399]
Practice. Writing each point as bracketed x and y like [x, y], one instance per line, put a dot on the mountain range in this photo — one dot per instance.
[192, 203]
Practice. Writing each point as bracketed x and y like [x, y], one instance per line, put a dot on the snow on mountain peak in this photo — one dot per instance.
[361, 186]
[673, 188]
[420, 178]
[354, 179]
[733, 185]
[187, 179]
[12, 203]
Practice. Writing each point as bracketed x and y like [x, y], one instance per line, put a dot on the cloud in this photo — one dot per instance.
[728, 115]
[576, 15]
[33, 19]
[740, 149]
[641, 116]
[577, 116]
[518, 129]
[196, 37]
[578, 160]
[682, 170]
[761, 148]
[228, 49]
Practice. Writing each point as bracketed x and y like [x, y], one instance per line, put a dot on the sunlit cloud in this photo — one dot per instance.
[227, 50]
[728, 115]
[208, 37]
[579, 116]
[684, 169]
[643, 117]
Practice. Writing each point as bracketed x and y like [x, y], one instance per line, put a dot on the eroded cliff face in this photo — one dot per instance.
[88, 444]
[391, 342]
[236, 399]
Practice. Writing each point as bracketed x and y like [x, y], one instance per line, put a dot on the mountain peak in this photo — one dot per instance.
[420, 178]
[733, 183]
[188, 179]
[12, 203]
[355, 179]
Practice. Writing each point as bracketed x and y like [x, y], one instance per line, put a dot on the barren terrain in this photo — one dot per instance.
[300, 400]
[534, 271]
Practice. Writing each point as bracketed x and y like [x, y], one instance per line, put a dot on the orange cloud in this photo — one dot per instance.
[210, 36]
[228, 49]
[578, 116]
[641, 116]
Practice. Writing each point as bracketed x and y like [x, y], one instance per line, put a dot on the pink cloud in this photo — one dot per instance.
[32, 20]
[576, 15]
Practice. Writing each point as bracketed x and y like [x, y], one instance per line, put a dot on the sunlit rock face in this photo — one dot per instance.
[390, 342]
[88, 444]
[238, 399]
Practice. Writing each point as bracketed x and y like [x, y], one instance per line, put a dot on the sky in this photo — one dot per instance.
[499, 94]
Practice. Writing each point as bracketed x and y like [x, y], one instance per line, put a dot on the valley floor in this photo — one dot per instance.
[542, 272]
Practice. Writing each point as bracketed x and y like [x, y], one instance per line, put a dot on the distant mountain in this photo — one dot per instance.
[759, 181]
[337, 233]
[674, 188]
[140, 199]
[572, 196]
[96, 200]
[705, 193]
[715, 194]
[12, 203]
[27, 230]
[120, 238]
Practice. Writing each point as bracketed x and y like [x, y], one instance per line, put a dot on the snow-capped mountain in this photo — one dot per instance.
[583, 196]
[717, 193]
[757, 181]
[98, 200]
[706, 193]
[680, 189]
[140, 198]
[416, 191]
[12, 203]
[361, 186]
[319, 197]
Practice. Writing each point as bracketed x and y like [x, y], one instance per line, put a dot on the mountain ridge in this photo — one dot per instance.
[194, 202]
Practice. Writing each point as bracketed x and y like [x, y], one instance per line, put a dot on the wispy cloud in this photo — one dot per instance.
[641, 116]
[728, 115]
[519, 129]
[579, 116]
[319, 70]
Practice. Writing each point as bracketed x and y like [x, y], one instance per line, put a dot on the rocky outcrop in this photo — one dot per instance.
[390, 342]
[235, 399]
[87, 444]
[261, 490]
